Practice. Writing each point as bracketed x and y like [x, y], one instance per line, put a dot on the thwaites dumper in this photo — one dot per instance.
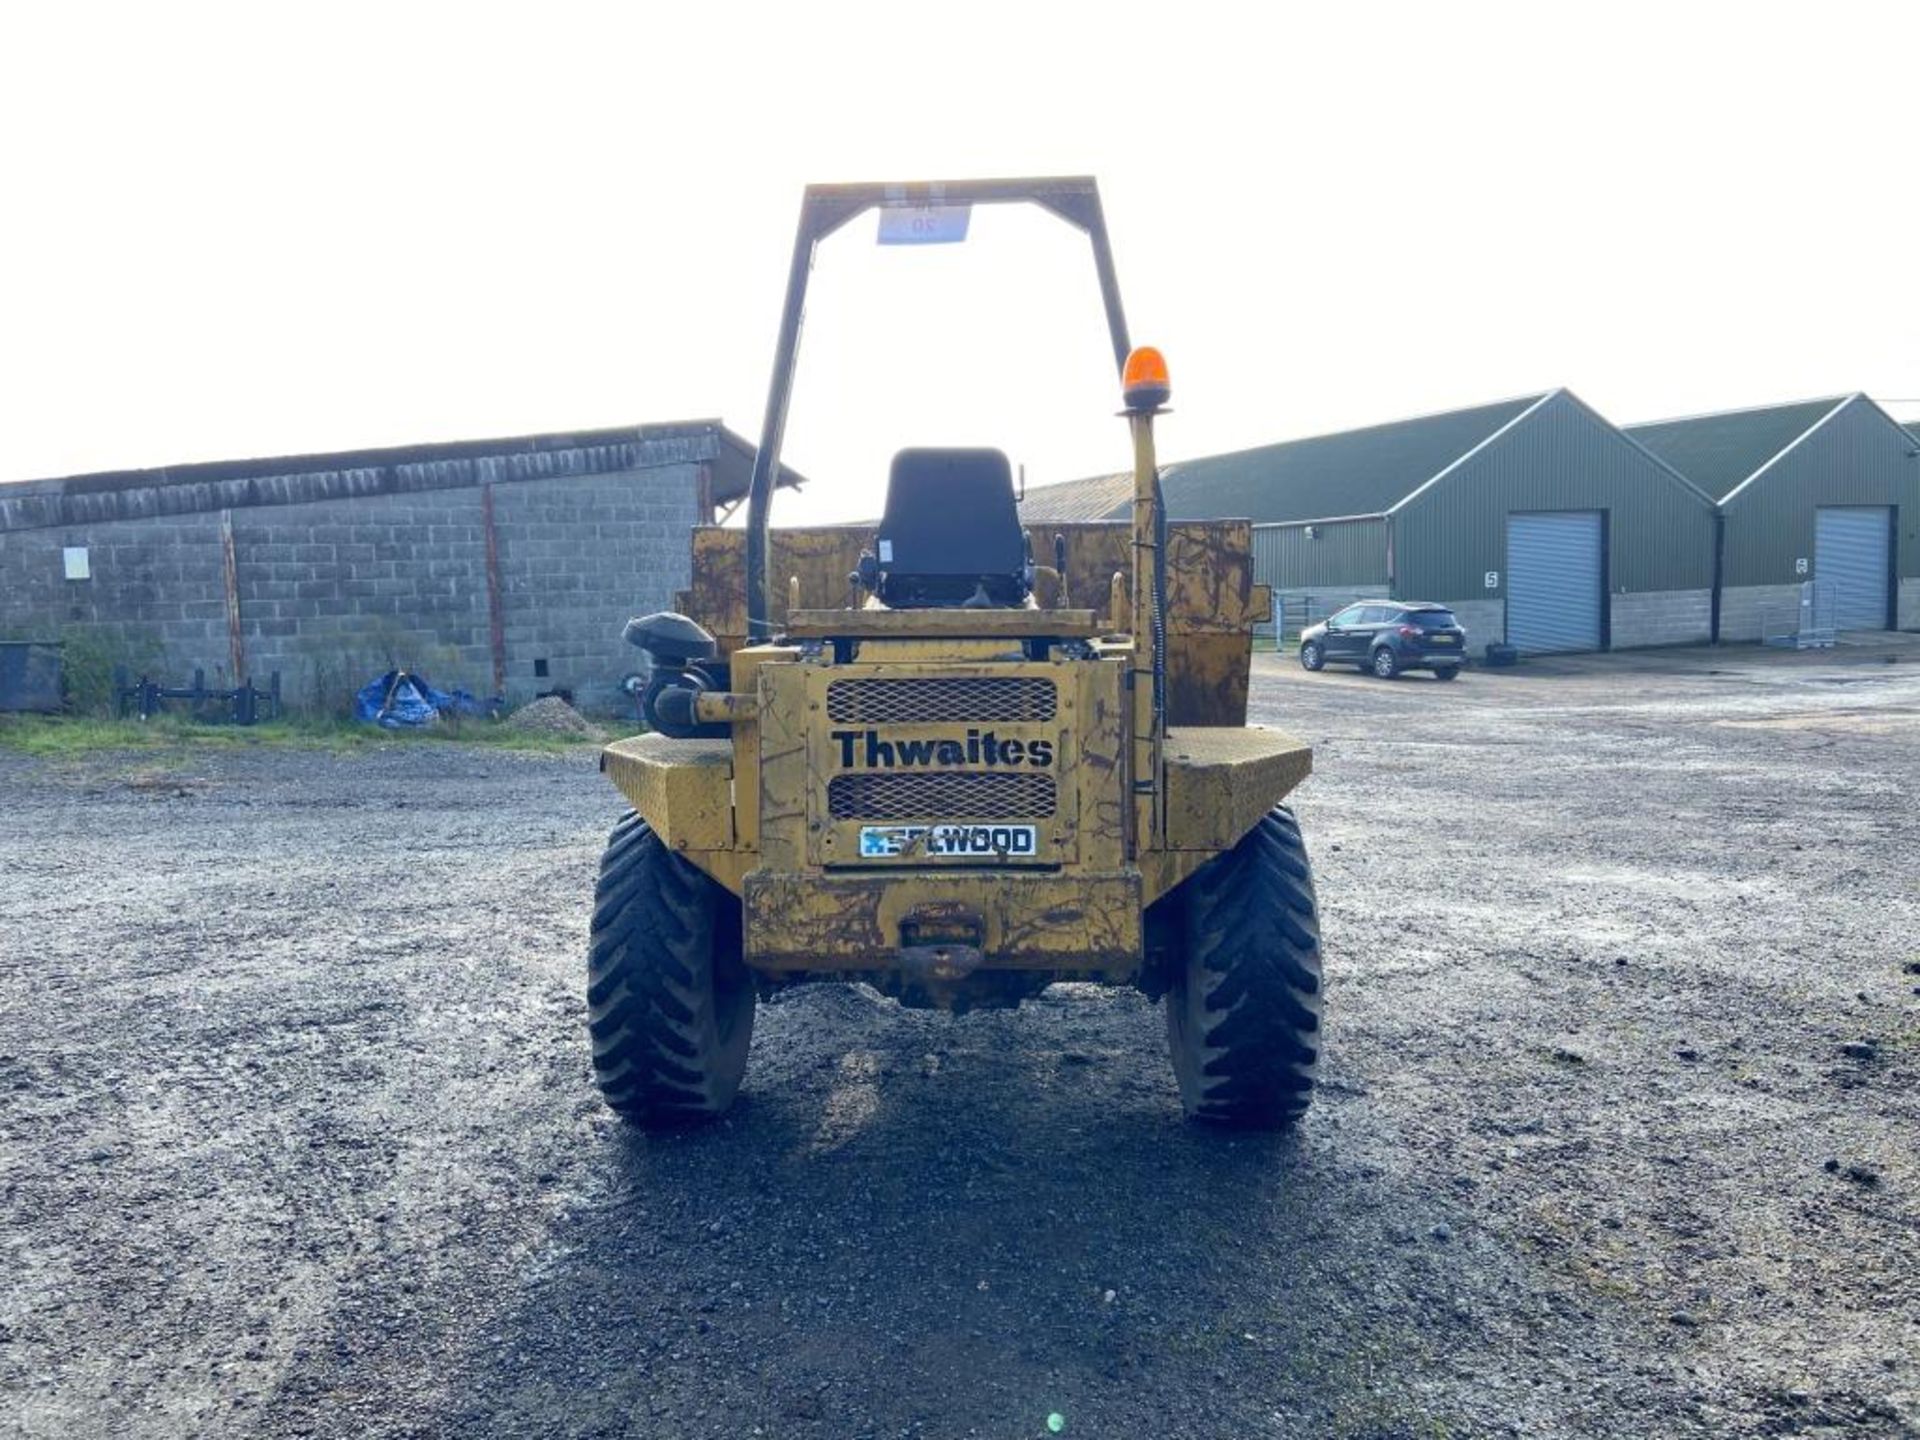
[912, 755]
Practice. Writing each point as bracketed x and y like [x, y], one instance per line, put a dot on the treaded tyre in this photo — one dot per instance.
[1386, 664]
[1243, 1011]
[1447, 672]
[1312, 657]
[669, 999]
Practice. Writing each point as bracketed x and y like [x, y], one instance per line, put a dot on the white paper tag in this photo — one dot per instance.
[886, 552]
[924, 224]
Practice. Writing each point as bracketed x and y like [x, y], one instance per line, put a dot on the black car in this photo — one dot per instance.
[1386, 637]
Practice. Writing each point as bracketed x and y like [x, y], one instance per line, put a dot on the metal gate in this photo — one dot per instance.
[1555, 581]
[1851, 550]
[1805, 623]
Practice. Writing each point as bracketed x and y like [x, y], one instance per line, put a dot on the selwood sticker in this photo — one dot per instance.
[880, 841]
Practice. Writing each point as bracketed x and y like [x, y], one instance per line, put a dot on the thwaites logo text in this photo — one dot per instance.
[866, 750]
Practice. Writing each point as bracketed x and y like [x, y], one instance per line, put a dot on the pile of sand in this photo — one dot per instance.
[550, 715]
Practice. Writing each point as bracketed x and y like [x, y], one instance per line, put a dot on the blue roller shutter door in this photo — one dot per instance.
[1555, 583]
[1852, 551]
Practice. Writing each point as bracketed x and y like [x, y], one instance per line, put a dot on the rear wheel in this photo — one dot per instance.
[1243, 1011]
[1386, 664]
[669, 999]
[1312, 657]
[1447, 672]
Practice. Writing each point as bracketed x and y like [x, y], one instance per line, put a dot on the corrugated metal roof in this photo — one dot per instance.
[1352, 472]
[1719, 452]
[1098, 497]
[282, 480]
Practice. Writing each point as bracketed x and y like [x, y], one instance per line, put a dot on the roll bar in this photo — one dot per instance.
[823, 210]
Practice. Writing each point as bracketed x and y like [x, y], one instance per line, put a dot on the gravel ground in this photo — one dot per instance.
[1619, 1133]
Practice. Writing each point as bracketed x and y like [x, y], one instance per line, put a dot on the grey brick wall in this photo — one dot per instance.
[1485, 622]
[156, 589]
[334, 591]
[1637, 621]
[1661, 617]
[578, 558]
[1745, 608]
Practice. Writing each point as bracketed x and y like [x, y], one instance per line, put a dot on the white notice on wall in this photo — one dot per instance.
[1493, 580]
[73, 561]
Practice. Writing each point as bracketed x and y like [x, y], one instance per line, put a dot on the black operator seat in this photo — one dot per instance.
[951, 534]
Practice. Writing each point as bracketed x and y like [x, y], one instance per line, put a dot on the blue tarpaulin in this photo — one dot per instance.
[401, 701]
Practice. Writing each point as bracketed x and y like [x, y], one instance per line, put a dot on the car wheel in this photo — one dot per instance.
[1312, 657]
[1386, 664]
[1447, 672]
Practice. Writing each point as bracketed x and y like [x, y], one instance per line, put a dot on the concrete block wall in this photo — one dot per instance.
[332, 592]
[1746, 609]
[1660, 617]
[578, 559]
[157, 589]
[1485, 622]
[1908, 613]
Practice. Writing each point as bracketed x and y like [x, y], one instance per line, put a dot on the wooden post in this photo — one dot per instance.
[236, 642]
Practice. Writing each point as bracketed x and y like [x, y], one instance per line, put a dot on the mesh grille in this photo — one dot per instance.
[940, 795]
[931, 702]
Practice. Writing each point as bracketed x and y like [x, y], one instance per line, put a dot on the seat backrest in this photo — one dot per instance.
[951, 530]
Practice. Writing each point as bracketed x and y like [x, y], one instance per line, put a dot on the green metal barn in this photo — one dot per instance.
[1819, 505]
[1535, 519]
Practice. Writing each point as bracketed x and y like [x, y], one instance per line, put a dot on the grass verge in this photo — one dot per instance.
[61, 736]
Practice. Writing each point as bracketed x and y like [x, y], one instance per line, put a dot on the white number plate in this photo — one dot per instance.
[886, 841]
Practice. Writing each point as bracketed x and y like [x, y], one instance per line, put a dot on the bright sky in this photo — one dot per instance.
[265, 230]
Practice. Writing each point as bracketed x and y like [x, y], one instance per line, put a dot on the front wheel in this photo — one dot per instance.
[1243, 1011]
[1386, 664]
[669, 999]
[1312, 657]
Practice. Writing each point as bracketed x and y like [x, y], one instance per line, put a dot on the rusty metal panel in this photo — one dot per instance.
[682, 788]
[821, 556]
[1101, 771]
[921, 624]
[1207, 678]
[959, 760]
[1211, 591]
[1221, 781]
[784, 773]
[852, 921]
[746, 665]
